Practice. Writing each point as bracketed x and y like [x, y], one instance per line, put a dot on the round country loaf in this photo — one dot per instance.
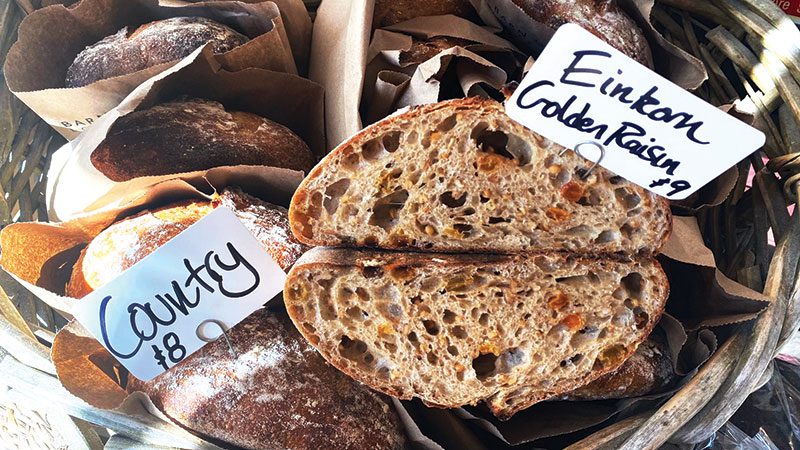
[275, 391]
[124, 243]
[603, 18]
[194, 134]
[149, 45]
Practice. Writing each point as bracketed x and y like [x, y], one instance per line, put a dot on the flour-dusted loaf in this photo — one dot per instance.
[460, 176]
[124, 243]
[454, 330]
[149, 45]
[603, 18]
[648, 371]
[390, 12]
[274, 392]
[190, 134]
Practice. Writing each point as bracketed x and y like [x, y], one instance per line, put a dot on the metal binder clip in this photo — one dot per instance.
[223, 335]
[578, 152]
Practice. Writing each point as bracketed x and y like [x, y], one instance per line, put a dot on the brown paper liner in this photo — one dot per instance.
[50, 38]
[75, 186]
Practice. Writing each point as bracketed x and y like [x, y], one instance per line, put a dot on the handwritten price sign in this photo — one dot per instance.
[653, 133]
[149, 316]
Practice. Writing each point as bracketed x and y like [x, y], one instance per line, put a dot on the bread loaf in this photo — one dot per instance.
[648, 371]
[191, 134]
[424, 49]
[461, 176]
[603, 18]
[274, 391]
[453, 330]
[149, 45]
[124, 243]
[390, 12]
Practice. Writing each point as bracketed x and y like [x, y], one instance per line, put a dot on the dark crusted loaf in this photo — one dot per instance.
[603, 18]
[151, 44]
[124, 243]
[457, 329]
[649, 370]
[194, 134]
[461, 176]
[390, 12]
[277, 392]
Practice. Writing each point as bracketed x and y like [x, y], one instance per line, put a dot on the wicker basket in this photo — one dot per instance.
[752, 52]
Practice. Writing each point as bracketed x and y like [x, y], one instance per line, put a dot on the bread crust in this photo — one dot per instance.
[193, 134]
[319, 259]
[390, 12]
[649, 370]
[149, 45]
[424, 49]
[276, 392]
[304, 205]
[603, 18]
[127, 241]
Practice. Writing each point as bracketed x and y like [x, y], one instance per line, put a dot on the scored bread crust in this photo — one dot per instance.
[401, 322]
[149, 45]
[190, 134]
[127, 241]
[461, 176]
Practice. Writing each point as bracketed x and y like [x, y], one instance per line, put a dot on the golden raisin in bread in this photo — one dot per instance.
[149, 45]
[648, 371]
[124, 243]
[461, 176]
[275, 391]
[454, 330]
[390, 12]
[424, 49]
[603, 18]
[194, 134]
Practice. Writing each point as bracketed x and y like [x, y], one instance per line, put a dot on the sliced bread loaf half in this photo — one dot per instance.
[462, 176]
[454, 330]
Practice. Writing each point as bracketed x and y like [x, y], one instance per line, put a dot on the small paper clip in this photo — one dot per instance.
[224, 334]
[578, 152]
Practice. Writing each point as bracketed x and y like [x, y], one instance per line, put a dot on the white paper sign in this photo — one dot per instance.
[652, 132]
[148, 317]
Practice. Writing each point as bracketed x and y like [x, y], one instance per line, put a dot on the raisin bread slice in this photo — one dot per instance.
[454, 330]
[461, 176]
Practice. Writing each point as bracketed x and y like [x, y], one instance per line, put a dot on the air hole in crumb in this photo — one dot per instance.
[431, 327]
[452, 350]
[447, 124]
[574, 281]
[391, 141]
[371, 272]
[362, 293]
[416, 300]
[484, 365]
[584, 231]
[333, 193]
[468, 212]
[352, 349]
[356, 313]
[326, 307]
[449, 316]
[616, 180]
[634, 284]
[642, 318]
[450, 201]
[628, 230]
[386, 210]
[483, 320]
[459, 332]
[496, 220]
[372, 149]
[464, 229]
[431, 357]
[607, 237]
